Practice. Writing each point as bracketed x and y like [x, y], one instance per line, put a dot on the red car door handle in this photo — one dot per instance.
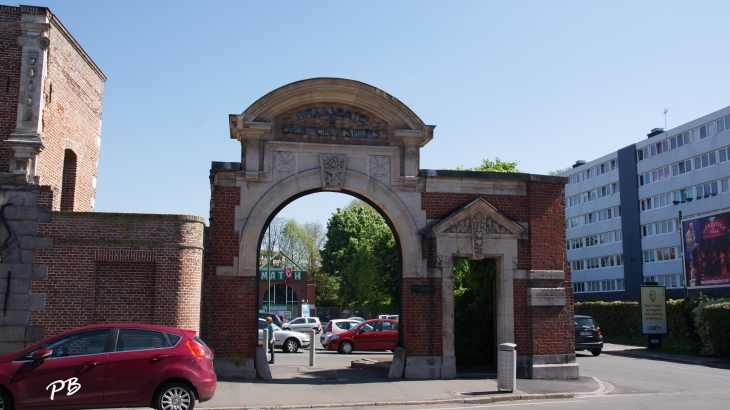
[159, 357]
[91, 364]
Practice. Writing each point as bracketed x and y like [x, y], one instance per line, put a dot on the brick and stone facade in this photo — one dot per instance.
[339, 135]
[50, 107]
[64, 266]
[108, 267]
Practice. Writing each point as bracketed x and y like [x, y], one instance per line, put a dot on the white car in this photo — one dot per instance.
[285, 340]
[391, 317]
[336, 326]
[303, 324]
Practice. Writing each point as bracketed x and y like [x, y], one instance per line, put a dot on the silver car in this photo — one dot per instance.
[336, 326]
[286, 340]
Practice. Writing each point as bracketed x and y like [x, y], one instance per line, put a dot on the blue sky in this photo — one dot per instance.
[542, 83]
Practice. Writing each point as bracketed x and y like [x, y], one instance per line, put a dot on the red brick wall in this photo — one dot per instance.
[420, 318]
[10, 56]
[439, 205]
[107, 267]
[230, 303]
[72, 118]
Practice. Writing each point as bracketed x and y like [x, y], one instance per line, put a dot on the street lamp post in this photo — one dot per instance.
[268, 274]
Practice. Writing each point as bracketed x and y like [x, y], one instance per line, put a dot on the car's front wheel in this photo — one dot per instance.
[596, 352]
[345, 348]
[290, 345]
[6, 400]
[176, 396]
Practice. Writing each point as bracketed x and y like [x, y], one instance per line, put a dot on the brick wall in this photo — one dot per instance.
[10, 55]
[106, 267]
[72, 117]
[421, 318]
[229, 306]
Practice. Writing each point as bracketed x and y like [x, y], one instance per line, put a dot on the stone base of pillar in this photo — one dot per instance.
[430, 367]
[554, 366]
[235, 367]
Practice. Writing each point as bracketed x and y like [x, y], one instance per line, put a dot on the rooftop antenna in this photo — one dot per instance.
[666, 110]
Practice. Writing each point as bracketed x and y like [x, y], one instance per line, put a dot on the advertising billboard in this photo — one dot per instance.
[707, 250]
[653, 310]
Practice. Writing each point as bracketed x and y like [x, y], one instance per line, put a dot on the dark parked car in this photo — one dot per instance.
[375, 334]
[111, 365]
[275, 319]
[587, 335]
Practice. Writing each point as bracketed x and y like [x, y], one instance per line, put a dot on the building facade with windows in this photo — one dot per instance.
[623, 209]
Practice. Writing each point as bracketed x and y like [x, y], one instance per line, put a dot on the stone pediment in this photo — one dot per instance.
[480, 221]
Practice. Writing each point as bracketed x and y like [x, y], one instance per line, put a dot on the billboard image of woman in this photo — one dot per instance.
[707, 250]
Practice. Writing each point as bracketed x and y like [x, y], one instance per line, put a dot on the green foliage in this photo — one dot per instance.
[713, 324]
[360, 251]
[474, 312]
[328, 287]
[497, 166]
[559, 171]
[614, 318]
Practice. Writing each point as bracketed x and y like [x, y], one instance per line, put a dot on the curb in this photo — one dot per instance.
[475, 400]
[667, 358]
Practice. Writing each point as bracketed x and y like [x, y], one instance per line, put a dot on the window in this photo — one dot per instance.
[645, 204]
[579, 287]
[79, 344]
[679, 140]
[68, 181]
[615, 188]
[619, 284]
[725, 184]
[608, 285]
[574, 179]
[645, 179]
[138, 339]
[614, 163]
[594, 286]
[681, 168]
[576, 265]
[575, 222]
[724, 153]
[706, 160]
[589, 196]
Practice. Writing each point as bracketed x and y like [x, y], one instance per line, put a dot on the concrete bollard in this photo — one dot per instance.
[311, 348]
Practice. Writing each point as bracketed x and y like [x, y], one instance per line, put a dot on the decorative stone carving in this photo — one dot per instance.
[30, 86]
[478, 230]
[379, 165]
[545, 296]
[333, 171]
[284, 162]
[463, 226]
[44, 42]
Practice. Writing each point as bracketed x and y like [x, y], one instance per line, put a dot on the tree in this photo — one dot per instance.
[559, 171]
[360, 251]
[497, 166]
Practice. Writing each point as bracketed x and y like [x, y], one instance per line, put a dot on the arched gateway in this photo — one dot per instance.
[329, 134]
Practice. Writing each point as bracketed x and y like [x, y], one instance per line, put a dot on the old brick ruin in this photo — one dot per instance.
[63, 265]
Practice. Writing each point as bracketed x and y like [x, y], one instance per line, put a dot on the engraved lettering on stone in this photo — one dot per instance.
[283, 162]
[479, 227]
[379, 165]
[333, 170]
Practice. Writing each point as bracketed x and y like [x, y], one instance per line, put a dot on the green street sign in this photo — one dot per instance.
[425, 289]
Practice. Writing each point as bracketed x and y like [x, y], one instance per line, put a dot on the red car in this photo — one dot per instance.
[111, 365]
[375, 334]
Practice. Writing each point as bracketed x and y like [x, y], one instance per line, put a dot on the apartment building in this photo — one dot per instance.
[623, 210]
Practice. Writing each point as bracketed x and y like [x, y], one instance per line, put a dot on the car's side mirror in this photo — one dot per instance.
[42, 354]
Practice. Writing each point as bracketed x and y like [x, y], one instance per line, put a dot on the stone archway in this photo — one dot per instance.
[329, 134]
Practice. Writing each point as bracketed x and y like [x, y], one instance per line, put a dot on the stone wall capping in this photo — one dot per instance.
[122, 216]
[546, 274]
[519, 176]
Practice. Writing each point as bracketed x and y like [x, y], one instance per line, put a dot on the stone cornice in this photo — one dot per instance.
[56, 23]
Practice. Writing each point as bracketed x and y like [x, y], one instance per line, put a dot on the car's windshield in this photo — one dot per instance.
[583, 322]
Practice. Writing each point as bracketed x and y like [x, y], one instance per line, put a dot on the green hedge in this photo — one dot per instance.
[622, 318]
[713, 325]
[614, 318]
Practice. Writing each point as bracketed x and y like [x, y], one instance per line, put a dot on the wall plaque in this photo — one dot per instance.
[426, 289]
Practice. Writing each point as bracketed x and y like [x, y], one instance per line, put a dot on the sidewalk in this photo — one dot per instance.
[644, 353]
[367, 384]
[303, 387]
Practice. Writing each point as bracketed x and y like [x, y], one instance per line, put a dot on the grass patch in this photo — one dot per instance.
[669, 346]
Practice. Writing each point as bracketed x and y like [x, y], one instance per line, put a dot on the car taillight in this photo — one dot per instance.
[329, 327]
[598, 329]
[199, 350]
